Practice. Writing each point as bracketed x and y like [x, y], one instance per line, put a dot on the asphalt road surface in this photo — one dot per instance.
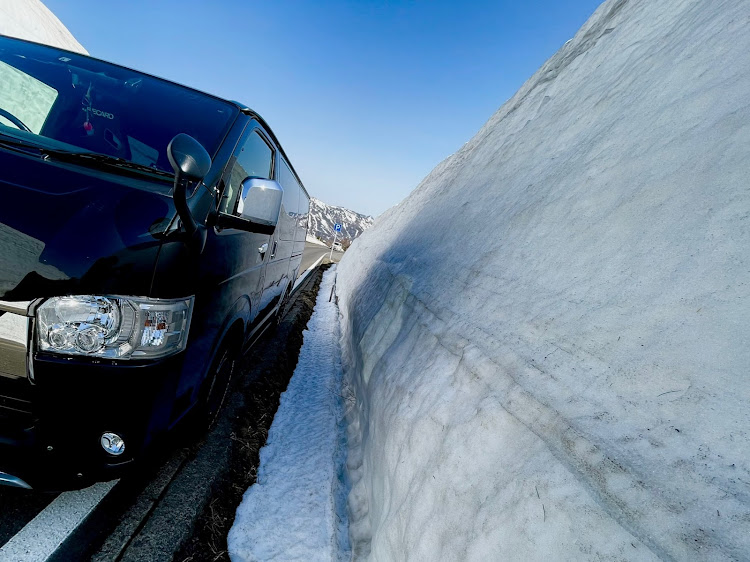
[19, 508]
[313, 252]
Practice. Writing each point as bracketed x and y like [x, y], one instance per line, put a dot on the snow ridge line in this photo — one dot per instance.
[617, 488]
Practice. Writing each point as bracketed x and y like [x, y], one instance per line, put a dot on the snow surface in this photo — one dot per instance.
[314, 240]
[297, 509]
[548, 339]
[32, 20]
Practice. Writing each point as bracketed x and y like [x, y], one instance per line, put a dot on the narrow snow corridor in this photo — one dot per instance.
[296, 509]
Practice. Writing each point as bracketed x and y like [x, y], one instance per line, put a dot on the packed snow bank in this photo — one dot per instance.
[31, 20]
[296, 510]
[549, 338]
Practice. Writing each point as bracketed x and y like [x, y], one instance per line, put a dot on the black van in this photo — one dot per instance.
[148, 233]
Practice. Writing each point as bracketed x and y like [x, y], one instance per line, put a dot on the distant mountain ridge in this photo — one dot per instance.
[324, 216]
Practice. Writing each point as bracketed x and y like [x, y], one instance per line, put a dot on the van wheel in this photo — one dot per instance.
[216, 385]
[281, 311]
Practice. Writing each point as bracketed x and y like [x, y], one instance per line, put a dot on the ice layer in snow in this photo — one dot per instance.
[549, 338]
[296, 510]
[32, 20]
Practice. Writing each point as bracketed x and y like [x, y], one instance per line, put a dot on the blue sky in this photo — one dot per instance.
[366, 97]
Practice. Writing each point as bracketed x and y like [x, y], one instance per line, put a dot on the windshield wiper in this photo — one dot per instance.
[80, 157]
[106, 159]
[14, 143]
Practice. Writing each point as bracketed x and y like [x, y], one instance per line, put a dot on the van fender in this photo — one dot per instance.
[239, 314]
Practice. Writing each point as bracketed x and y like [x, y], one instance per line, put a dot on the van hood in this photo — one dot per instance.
[71, 230]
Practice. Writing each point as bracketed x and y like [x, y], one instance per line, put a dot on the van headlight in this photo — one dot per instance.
[113, 327]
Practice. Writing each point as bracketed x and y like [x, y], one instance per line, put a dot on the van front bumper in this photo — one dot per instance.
[55, 442]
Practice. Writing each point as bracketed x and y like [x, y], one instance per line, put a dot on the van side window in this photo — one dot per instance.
[302, 215]
[289, 202]
[255, 160]
[291, 188]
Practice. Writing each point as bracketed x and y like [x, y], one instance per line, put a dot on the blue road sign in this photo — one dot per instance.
[337, 227]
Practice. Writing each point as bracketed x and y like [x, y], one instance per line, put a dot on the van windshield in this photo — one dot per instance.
[101, 107]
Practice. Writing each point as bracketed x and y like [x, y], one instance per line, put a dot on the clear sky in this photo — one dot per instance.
[366, 97]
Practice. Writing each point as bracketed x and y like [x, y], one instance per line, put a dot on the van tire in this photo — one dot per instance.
[282, 309]
[216, 385]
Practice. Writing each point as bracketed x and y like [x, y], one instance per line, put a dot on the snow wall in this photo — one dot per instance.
[549, 338]
[32, 20]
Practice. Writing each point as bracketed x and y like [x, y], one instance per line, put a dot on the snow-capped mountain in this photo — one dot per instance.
[323, 217]
[33, 21]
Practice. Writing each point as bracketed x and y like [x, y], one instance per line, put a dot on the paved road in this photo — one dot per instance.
[20, 507]
[314, 251]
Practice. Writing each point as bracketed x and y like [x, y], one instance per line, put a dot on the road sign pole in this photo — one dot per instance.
[336, 230]
[330, 256]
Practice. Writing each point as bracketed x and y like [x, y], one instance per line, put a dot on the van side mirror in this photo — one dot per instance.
[190, 162]
[188, 158]
[260, 201]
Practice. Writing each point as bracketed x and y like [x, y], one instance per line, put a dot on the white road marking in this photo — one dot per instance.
[307, 272]
[41, 536]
